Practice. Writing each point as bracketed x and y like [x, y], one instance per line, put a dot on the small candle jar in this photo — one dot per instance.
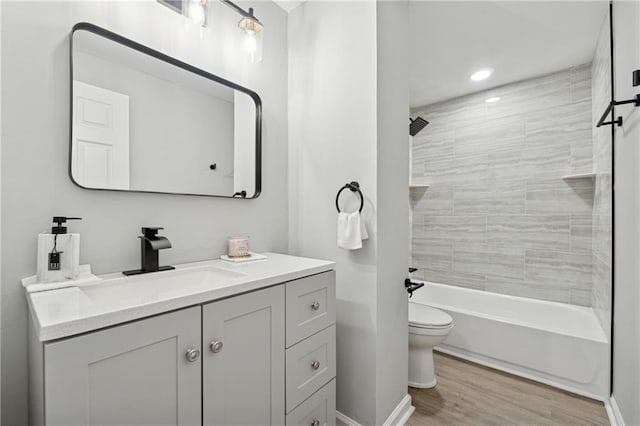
[238, 246]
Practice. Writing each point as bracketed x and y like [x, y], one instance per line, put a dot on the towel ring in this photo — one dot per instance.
[354, 187]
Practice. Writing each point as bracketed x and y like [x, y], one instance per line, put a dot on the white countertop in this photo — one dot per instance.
[117, 299]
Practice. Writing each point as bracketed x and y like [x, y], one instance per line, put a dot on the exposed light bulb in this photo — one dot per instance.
[481, 74]
[250, 44]
[197, 11]
[492, 99]
[252, 31]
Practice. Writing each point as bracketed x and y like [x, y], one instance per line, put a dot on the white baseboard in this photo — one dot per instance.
[613, 412]
[399, 416]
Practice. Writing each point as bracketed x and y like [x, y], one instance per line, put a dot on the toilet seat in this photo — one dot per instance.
[427, 317]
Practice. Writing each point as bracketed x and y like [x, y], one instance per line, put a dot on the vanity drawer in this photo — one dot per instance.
[311, 306]
[310, 365]
[318, 410]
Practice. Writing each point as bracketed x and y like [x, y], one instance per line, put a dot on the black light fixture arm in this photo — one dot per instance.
[240, 10]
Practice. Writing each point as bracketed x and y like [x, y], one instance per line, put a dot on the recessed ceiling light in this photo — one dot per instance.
[492, 99]
[481, 74]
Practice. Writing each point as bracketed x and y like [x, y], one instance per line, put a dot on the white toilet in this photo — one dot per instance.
[428, 327]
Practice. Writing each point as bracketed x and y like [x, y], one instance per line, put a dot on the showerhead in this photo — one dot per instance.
[417, 125]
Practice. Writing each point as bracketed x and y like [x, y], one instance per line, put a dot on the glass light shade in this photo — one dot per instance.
[252, 31]
[196, 11]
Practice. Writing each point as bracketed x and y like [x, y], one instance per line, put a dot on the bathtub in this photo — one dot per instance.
[554, 343]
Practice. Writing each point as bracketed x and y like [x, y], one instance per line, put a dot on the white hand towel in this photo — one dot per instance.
[363, 230]
[349, 231]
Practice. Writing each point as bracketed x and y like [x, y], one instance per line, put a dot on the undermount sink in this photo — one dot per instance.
[157, 286]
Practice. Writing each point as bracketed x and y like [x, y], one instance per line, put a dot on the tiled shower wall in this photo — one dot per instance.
[602, 144]
[497, 215]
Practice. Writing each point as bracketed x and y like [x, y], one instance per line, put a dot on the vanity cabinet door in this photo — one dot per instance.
[243, 359]
[142, 373]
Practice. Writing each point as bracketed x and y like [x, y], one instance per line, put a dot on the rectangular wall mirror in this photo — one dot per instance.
[143, 121]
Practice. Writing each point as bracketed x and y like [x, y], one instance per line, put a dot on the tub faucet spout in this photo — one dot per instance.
[411, 286]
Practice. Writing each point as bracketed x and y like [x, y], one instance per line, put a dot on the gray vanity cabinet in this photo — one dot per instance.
[265, 357]
[140, 373]
[243, 359]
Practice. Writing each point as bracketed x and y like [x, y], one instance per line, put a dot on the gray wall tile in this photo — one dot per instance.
[602, 203]
[528, 231]
[432, 254]
[485, 260]
[493, 198]
[467, 229]
[437, 200]
[458, 279]
[557, 196]
[564, 269]
[581, 233]
[526, 288]
[497, 201]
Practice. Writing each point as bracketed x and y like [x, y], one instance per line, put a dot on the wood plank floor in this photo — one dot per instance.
[471, 394]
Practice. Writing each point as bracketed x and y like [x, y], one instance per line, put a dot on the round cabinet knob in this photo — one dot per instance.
[315, 422]
[315, 365]
[193, 355]
[216, 346]
[315, 306]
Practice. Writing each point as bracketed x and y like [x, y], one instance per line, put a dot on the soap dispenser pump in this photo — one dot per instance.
[58, 253]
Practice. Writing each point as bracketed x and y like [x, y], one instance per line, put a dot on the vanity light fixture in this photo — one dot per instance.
[482, 74]
[492, 99]
[252, 30]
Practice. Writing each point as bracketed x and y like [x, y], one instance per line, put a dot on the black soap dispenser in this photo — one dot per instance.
[58, 253]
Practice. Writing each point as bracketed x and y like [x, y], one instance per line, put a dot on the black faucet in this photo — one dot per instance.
[150, 243]
[410, 285]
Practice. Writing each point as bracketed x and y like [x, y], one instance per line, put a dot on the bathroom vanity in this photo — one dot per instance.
[209, 343]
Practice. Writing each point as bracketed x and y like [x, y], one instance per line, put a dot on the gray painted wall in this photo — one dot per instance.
[348, 121]
[626, 321]
[35, 137]
[393, 209]
[330, 145]
[498, 216]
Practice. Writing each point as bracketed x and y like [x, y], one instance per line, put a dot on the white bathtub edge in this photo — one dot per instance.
[495, 364]
[613, 412]
[600, 333]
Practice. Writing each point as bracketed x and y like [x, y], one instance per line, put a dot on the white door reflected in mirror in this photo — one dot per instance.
[100, 137]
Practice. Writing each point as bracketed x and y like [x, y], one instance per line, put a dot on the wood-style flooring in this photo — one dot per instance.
[471, 394]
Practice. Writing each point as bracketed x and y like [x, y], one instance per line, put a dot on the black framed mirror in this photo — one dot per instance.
[143, 121]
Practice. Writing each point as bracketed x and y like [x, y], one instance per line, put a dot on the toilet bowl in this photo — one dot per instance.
[428, 327]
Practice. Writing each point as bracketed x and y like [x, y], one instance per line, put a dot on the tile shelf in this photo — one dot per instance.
[580, 176]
